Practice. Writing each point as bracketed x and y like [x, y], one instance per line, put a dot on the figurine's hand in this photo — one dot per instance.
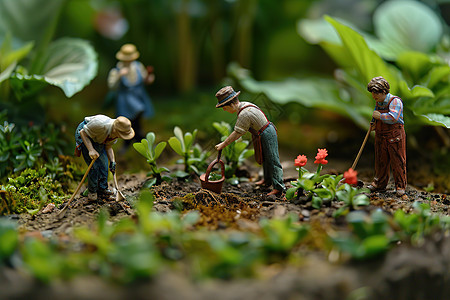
[124, 71]
[93, 154]
[376, 115]
[112, 167]
[219, 146]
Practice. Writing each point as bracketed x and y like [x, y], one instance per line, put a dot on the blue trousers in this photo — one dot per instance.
[98, 175]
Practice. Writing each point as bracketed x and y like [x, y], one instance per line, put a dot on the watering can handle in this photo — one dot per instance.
[219, 155]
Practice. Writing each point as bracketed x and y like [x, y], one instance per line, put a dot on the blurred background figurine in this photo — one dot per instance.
[390, 137]
[264, 136]
[128, 80]
[94, 138]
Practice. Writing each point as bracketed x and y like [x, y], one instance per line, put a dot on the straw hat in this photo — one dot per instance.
[123, 128]
[127, 52]
[225, 95]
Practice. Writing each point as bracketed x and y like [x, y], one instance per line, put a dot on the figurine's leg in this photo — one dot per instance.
[397, 151]
[93, 173]
[103, 163]
[381, 164]
[273, 172]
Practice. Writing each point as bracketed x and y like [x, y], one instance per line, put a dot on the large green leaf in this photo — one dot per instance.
[366, 61]
[159, 148]
[28, 20]
[409, 24]
[69, 64]
[437, 119]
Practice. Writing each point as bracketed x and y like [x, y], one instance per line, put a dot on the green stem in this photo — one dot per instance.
[319, 168]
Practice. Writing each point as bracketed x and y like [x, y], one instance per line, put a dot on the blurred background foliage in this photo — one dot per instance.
[307, 71]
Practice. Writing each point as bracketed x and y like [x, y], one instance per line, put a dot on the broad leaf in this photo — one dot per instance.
[69, 64]
[409, 24]
[159, 148]
[176, 145]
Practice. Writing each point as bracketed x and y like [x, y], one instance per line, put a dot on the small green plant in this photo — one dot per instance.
[414, 227]
[151, 152]
[282, 235]
[235, 153]
[352, 198]
[370, 235]
[9, 240]
[182, 144]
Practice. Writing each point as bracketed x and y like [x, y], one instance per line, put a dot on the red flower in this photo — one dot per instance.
[350, 176]
[320, 157]
[300, 161]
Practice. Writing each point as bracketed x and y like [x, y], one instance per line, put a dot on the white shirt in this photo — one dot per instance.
[98, 128]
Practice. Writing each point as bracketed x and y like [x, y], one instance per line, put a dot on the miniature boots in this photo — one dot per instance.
[92, 196]
[105, 194]
[400, 192]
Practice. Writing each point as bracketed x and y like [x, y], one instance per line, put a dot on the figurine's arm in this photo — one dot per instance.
[395, 109]
[113, 79]
[110, 153]
[231, 138]
[87, 141]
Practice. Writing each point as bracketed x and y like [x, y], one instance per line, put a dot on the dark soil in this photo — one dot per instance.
[404, 273]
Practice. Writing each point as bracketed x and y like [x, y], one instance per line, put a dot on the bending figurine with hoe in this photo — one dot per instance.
[94, 138]
[390, 137]
[252, 118]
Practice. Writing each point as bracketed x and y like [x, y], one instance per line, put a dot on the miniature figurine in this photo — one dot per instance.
[390, 137]
[251, 118]
[127, 79]
[94, 138]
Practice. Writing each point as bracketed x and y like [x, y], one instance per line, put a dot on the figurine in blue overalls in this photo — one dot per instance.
[128, 79]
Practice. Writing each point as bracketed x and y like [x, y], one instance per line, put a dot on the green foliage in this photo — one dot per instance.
[282, 235]
[28, 147]
[235, 153]
[368, 237]
[420, 224]
[416, 68]
[352, 198]
[67, 63]
[151, 152]
[21, 195]
[9, 240]
[192, 155]
[372, 235]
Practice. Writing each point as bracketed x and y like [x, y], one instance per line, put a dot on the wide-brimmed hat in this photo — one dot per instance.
[123, 128]
[225, 95]
[127, 52]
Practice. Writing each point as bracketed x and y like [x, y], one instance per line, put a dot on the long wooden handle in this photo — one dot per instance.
[79, 185]
[362, 147]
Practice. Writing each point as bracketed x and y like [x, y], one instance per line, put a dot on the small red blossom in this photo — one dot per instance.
[350, 176]
[300, 161]
[320, 157]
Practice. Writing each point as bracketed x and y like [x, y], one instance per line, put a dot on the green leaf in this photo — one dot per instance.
[179, 135]
[437, 119]
[141, 148]
[417, 64]
[150, 138]
[409, 24]
[176, 145]
[366, 61]
[69, 64]
[159, 148]
[290, 193]
[28, 20]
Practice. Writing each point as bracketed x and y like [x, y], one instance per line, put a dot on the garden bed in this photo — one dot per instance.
[405, 272]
